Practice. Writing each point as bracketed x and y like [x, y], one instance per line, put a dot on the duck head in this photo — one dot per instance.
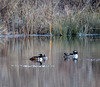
[75, 52]
[40, 55]
[45, 58]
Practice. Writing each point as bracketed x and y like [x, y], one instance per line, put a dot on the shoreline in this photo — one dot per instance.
[46, 35]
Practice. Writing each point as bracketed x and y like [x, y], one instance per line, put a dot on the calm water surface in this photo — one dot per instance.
[16, 70]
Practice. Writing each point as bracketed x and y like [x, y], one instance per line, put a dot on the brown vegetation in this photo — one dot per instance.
[48, 17]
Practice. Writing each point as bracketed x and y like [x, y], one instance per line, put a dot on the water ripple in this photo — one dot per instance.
[32, 65]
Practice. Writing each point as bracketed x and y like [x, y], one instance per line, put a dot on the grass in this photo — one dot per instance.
[76, 23]
[30, 17]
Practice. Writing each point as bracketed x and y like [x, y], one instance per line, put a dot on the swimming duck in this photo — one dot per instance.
[73, 55]
[41, 58]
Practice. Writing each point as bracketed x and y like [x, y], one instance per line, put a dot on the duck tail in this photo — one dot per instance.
[65, 54]
[33, 58]
[65, 58]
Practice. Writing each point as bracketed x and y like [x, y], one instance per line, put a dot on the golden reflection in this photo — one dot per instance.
[50, 43]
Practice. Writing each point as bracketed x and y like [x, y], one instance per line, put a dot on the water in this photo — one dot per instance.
[16, 70]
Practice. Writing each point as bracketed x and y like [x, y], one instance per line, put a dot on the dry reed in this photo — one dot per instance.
[44, 17]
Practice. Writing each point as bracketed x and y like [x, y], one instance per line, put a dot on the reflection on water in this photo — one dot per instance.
[16, 70]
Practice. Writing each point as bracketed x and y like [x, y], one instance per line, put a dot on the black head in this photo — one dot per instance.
[75, 52]
[40, 55]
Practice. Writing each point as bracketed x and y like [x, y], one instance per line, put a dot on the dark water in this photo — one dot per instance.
[16, 70]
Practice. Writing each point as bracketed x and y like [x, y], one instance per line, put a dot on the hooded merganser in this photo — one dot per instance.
[41, 58]
[73, 55]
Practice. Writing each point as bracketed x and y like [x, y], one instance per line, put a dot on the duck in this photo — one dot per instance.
[73, 55]
[40, 58]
